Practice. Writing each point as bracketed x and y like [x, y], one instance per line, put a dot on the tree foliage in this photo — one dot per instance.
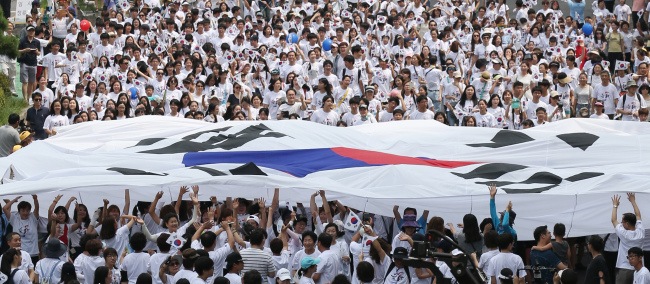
[8, 44]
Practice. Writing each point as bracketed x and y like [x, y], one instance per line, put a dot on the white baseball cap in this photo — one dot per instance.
[284, 274]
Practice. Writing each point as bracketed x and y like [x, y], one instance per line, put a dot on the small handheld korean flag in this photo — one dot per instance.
[381, 19]
[621, 65]
[606, 64]
[537, 77]
[419, 20]
[353, 222]
[176, 241]
[640, 13]
[160, 49]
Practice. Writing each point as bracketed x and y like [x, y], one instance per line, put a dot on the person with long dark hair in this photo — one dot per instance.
[470, 237]
[10, 266]
[467, 103]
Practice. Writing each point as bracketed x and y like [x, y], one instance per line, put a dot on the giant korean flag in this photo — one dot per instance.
[564, 172]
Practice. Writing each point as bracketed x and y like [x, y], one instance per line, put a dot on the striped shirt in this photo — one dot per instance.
[257, 259]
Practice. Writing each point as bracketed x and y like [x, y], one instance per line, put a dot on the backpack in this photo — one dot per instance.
[390, 268]
[48, 279]
[10, 279]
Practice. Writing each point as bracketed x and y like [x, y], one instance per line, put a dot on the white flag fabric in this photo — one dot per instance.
[564, 171]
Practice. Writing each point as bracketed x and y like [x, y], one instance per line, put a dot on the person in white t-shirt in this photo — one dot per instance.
[326, 115]
[48, 269]
[641, 273]
[234, 265]
[505, 259]
[308, 267]
[25, 223]
[11, 267]
[630, 103]
[630, 233]
[204, 267]
[328, 266]
[483, 117]
[599, 111]
[135, 263]
[422, 113]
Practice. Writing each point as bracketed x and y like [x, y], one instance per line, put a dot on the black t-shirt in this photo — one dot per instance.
[30, 57]
[597, 264]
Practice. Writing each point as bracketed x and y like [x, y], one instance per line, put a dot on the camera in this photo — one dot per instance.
[560, 105]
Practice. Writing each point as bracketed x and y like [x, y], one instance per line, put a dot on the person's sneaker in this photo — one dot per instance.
[14, 95]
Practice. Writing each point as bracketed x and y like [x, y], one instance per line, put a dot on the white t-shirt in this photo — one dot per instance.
[485, 120]
[484, 262]
[531, 109]
[134, 264]
[417, 115]
[21, 276]
[87, 265]
[328, 267]
[27, 229]
[629, 239]
[640, 277]
[46, 267]
[503, 260]
[607, 94]
[155, 261]
[26, 263]
[297, 258]
[235, 278]
[119, 241]
[601, 116]
[328, 118]
[632, 104]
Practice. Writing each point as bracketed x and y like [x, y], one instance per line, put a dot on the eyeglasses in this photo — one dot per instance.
[631, 256]
[38, 100]
[174, 263]
[112, 256]
[238, 87]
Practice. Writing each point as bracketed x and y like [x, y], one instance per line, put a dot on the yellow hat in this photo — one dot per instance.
[24, 135]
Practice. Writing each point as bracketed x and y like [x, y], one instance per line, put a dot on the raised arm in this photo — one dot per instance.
[493, 207]
[146, 232]
[616, 200]
[263, 222]
[53, 225]
[195, 212]
[313, 208]
[632, 199]
[326, 206]
[50, 210]
[177, 206]
[77, 223]
[152, 207]
[36, 206]
[67, 205]
[398, 216]
[231, 237]
[197, 234]
[380, 251]
[127, 202]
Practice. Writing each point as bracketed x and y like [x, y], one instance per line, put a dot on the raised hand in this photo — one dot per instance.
[159, 194]
[16, 199]
[211, 213]
[631, 197]
[194, 198]
[493, 190]
[184, 190]
[213, 199]
[616, 200]
[261, 202]
[106, 202]
[139, 220]
[34, 196]
[195, 189]
[235, 203]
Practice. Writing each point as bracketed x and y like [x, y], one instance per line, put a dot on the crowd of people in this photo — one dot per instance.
[340, 63]
[239, 241]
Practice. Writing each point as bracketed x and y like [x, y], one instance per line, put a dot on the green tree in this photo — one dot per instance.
[8, 47]
[8, 44]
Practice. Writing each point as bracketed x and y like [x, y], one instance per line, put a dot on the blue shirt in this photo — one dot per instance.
[577, 7]
[547, 259]
[503, 226]
[421, 222]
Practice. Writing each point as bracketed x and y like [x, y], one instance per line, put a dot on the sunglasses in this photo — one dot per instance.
[38, 100]
[160, 73]
[174, 263]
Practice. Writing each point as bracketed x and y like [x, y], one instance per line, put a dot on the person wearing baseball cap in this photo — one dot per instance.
[629, 104]
[283, 276]
[234, 265]
[308, 266]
